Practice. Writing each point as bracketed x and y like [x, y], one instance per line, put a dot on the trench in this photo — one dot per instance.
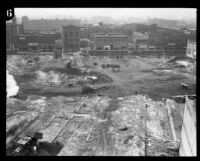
[108, 144]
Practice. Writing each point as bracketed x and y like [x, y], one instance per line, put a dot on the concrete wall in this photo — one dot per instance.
[188, 144]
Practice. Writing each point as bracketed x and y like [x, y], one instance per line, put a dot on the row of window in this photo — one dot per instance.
[117, 41]
[73, 41]
[72, 34]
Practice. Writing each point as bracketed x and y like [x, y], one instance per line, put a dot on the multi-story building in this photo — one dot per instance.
[164, 39]
[191, 34]
[71, 38]
[41, 42]
[87, 31]
[191, 49]
[140, 40]
[47, 24]
[111, 41]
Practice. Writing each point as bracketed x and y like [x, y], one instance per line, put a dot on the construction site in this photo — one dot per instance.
[81, 105]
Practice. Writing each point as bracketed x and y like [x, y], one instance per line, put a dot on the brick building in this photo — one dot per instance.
[168, 39]
[71, 38]
[42, 42]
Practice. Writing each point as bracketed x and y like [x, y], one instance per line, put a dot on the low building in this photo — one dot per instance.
[84, 42]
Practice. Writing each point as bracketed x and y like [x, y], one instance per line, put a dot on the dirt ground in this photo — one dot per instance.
[127, 119]
[138, 75]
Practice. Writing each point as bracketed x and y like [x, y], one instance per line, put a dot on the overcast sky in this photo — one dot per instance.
[166, 13]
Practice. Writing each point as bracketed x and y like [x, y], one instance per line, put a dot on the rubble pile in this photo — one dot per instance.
[179, 65]
[16, 65]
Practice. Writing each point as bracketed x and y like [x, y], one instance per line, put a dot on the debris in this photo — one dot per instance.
[30, 62]
[184, 86]
[173, 148]
[18, 149]
[84, 121]
[184, 63]
[124, 129]
[161, 154]
[90, 78]
[128, 139]
[24, 140]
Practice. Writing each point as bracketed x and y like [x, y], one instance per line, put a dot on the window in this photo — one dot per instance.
[71, 34]
[66, 35]
[76, 34]
[71, 41]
